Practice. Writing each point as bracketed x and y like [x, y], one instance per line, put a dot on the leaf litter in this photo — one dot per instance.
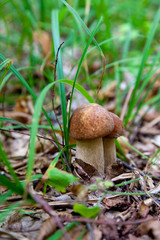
[129, 206]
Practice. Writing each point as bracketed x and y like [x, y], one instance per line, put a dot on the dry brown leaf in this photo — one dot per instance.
[18, 116]
[110, 232]
[132, 237]
[24, 104]
[156, 141]
[81, 191]
[44, 146]
[108, 92]
[95, 65]
[16, 145]
[155, 170]
[125, 215]
[111, 105]
[151, 131]
[155, 189]
[152, 123]
[148, 202]
[114, 202]
[24, 224]
[123, 176]
[150, 228]
[44, 40]
[47, 229]
[76, 231]
[143, 210]
[42, 162]
[11, 235]
[150, 115]
[114, 170]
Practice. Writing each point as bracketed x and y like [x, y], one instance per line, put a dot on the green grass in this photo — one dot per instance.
[134, 100]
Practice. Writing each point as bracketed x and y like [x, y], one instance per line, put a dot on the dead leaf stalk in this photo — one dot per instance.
[45, 206]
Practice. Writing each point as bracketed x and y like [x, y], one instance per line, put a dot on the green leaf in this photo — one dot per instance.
[85, 211]
[60, 179]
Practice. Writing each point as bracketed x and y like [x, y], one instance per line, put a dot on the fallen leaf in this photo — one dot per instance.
[108, 92]
[24, 104]
[143, 210]
[22, 117]
[81, 231]
[44, 40]
[81, 191]
[47, 229]
[150, 228]
[115, 202]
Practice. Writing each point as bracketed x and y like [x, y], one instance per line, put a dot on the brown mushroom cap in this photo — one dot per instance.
[118, 127]
[90, 121]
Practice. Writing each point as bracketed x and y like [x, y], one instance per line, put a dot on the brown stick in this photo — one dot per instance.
[45, 206]
[108, 221]
[100, 83]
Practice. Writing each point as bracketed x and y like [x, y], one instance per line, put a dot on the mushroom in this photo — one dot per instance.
[109, 143]
[89, 124]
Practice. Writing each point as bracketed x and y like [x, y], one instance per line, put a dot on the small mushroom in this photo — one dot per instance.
[109, 143]
[89, 124]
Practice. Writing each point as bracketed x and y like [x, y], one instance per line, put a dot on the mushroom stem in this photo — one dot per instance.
[109, 152]
[91, 152]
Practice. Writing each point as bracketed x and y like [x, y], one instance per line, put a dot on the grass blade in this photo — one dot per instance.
[4, 159]
[4, 196]
[80, 63]
[56, 40]
[1, 4]
[12, 207]
[35, 121]
[19, 76]
[77, 17]
[18, 189]
[6, 64]
[151, 34]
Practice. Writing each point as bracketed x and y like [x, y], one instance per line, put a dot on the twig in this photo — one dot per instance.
[45, 206]
[51, 140]
[56, 61]
[108, 221]
[55, 70]
[90, 228]
[100, 83]
[126, 164]
[28, 134]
